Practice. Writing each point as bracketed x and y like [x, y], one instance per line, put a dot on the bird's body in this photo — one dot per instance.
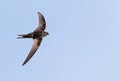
[36, 35]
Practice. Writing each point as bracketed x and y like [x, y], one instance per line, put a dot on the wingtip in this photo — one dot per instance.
[23, 64]
[38, 12]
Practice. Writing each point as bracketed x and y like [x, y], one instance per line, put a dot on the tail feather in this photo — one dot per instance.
[25, 36]
[19, 37]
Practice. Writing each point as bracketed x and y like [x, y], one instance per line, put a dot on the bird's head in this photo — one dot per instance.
[45, 34]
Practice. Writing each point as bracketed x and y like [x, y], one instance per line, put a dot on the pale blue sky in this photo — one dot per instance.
[83, 45]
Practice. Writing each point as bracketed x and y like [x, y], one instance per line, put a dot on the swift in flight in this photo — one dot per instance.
[36, 35]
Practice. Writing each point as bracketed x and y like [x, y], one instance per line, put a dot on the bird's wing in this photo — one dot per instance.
[35, 46]
[42, 23]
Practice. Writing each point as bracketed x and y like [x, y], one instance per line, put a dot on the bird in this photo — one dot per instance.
[37, 36]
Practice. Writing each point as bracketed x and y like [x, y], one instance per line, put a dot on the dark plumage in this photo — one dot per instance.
[36, 35]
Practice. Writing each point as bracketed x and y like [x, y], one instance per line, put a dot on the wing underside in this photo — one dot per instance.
[34, 48]
[42, 22]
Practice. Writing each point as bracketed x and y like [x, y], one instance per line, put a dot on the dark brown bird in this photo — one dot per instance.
[36, 35]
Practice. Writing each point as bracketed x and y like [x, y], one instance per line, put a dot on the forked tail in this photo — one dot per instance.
[30, 35]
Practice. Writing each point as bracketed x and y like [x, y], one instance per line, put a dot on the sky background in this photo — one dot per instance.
[83, 45]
